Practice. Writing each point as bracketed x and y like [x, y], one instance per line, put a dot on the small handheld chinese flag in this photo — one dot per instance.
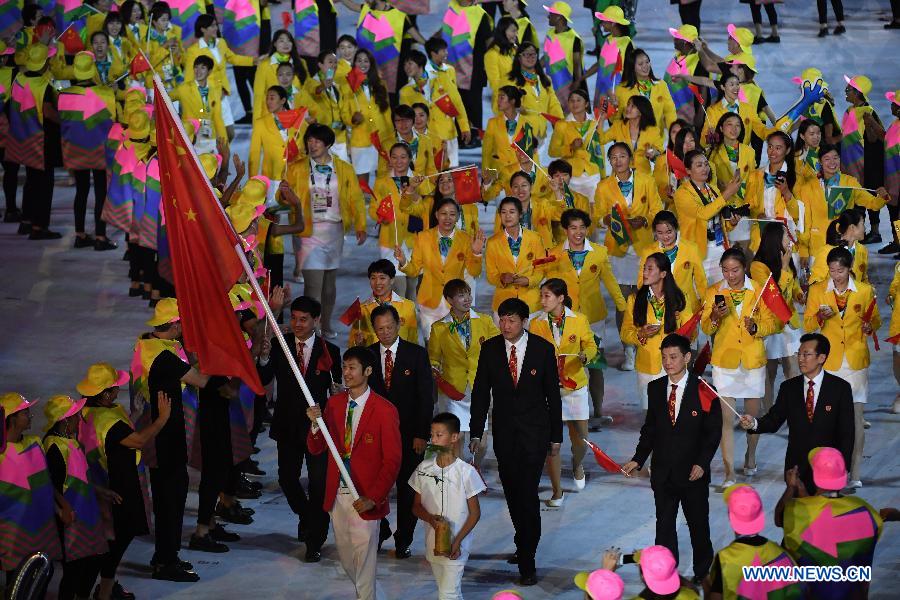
[71, 41]
[567, 382]
[352, 314]
[139, 64]
[771, 295]
[468, 189]
[603, 459]
[439, 159]
[291, 150]
[376, 142]
[696, 92]
[446, 387]
[325, 362]
[291, 119]
[553, 119]
[676, 165]
[867, 318]
[446, 105]
[544, 260]
[690, 326]
[355, 79]
[703, 358]
[707, 395]
[385, 210]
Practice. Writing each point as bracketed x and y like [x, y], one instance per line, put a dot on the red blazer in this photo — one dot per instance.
[375, 460]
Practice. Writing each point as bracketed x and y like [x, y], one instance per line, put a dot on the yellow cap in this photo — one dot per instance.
[61, 407]
[743, 58]
[36, 57]
[560, 8]
[101, 376]
[210, 163]
[613, 14]
[13, 402]
[688, 33]
[255, 190]
[861, 84]
[242, 215]
[742, 35]
[84, 67]
[138, 125]
[166, 311]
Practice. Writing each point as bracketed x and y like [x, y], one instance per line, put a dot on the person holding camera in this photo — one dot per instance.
[770, 188]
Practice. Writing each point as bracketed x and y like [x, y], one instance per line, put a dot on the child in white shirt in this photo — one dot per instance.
[447, 487]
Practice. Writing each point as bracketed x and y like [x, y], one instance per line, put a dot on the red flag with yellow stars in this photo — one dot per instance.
[468, 188]
[202, 243]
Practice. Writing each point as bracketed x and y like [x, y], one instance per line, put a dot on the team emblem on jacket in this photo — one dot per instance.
[572, 338]
[857, 308]
[407, 372]
[593, 268]
[460, 257]
[530, 256]
[481, 340]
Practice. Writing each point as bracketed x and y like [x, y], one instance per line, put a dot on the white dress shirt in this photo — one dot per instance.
[520, 345]
[679, 392]
[393, 348]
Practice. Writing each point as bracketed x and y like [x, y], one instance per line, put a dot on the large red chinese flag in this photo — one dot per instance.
[202, 244]
[468, 188]
[771, 295]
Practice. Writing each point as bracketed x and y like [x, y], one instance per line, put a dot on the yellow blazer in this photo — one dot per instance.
[353, 208]
[645, 203]
[384, 187]
[499, 260]
[160, 56]
[375, 120]
[325, 108]
[687, 269]
[443, 82]
[648, 138]
[660, 99]
[733, 346]
[365, 334]
[127, 51]
[426, 260]
[584, 285]
[218, 74]
[566, 132]
[543, 214]
[815, 210]
[756, 199]
[266, 77]
[819, 271]
[423, 161]
[421, 208]
[752, 122]
[191, 105]
[894, 295]
[448, 353]
[723, 169]
[496, 148]
[844, 332]
[787, 283]
[579, 201]
[497, 66]
[576, 337]
[538, 99]
[267, 146]
[647, 359]
[693, 216]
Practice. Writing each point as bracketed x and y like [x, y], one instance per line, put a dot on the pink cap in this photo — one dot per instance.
[829, 469]
[745, 510]
[605, 585]
[659, 570]
[892, 97]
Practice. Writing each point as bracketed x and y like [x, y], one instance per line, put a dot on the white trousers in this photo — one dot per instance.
[357, 544]
[449, 580]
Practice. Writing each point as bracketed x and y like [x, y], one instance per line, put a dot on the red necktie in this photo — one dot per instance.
[672, 404]
[388, 368]
[301, 358]
[513, 365]
[810, 400]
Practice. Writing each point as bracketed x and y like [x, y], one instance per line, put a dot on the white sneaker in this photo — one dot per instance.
[896, 407]
[580, 483]
[866, 424]
[726, 484]
[856, 484]
[556, 502]
[630, 352]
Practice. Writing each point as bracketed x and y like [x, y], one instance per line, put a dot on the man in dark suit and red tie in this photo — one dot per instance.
[402, 374]
[519, 371]
[366, 430]
[817, 406]
[683, 438]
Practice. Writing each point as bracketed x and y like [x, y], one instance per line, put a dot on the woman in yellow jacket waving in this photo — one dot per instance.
[570, 333]
[739, 323]
[845, 311]
[510, 257]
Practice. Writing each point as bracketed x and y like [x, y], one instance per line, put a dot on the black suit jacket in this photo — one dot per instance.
[527, 416]
[412, 388]
[693, 440]
[289, 420]
[832, 423]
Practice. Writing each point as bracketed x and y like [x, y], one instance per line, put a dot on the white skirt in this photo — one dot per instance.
[227, 114]
[782, 345]
[340, 150]
[365, 160]
[711, 262]
[576, 404]
[585, 185]
[429, 316]
[322, 251]
[642, 380]
[461, 408]
[625, 267]
[858, 380]
[740, 382]
[453, 152]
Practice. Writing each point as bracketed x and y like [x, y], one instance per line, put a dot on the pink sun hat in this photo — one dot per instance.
[745, 509]
[601, 584]
[100, 377]
[659, 570]
[829, 469]
[13, 402]
[560, 8]
[688, 33]
[893, 97]
[860, 83]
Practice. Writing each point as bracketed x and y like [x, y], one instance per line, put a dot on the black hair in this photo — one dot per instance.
[347, 38]
[839, 226]
[511, 307]
[629, 78]
[128, 7]
[30, 13]
[510, 200]
[720, 83]
[319, 131]
[158, 10]
[823, 346]
[674, 297]
[439, 202]
[558, 287]
[282, 93]
[771, 250]
[405, 147]
[825, 148]
[690, 156]
[298, 63]
[679, 142]
[648, 119]
[376, 85]
[799, 144]
[841, 256]
[574, 214]
[321, 56]
[205, 61]
[676, 340]
[720, 136]
[513, 93]
[516, 73]
[417, 57]
[665, 216]
[362, 355]
[99, 32]
[434, 45]
[621, 145]
[519, 174]
[559, 166]
[582, 93]
[423, 107]
[790, 174]
[112, 17]
[203, 21]
[455, 286]
[382, 266]
[308, 305]
[735, 254]
[448, 420]
[384, 309]
[498, 39]
[164, 327]
[681, 123]
[404, 111]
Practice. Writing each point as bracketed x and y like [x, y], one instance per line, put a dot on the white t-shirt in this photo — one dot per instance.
[459, 482]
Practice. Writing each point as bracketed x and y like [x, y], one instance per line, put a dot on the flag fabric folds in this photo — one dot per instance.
[352, 314]
[603, 459]
[771, 295]
[468, 188]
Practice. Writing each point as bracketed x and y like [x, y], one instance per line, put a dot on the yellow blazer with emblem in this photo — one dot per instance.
[723, 169]
[497, 66]
[576, 337]
[543, 214]
[375, 120]
[755, 197]
[421, 208]
[645, 203]
[819, 271]
[191, 105]
[648, 138]
[384, 187]
[426, 260]
[496, 147]
[894, 298]
[326, 109]
[787, 283]
[733, 346]
[218, 74]
[423, 161]
[693, 216]
[844, 332]
[353, 208]
[647, 359]
[564, 133]
[363, 334]
[751, 120]
[448, 353]
[688, 270]
[660, 99]
[584, 285]
[499, 260]
[267, 148]
[443, 82]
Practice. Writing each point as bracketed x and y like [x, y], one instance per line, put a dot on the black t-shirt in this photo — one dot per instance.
[716, 571]
[165, 376]
[57, 467]
[129, 517]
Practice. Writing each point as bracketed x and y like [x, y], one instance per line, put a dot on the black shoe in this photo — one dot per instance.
[773, 39]
[528, 579]
[120, 593]
[247, 119]
[758, 39]
[891, 248]
[839, 30]
[893, 25]
[24, 228]
[384, 532]
[12, 216]
[247, 511]
[402, 553]
[873, 238]
[823, 32]
[134, 292]
[513, 559]
[220, 534]
[174, 572]
[101, 245]
[243, 481]
[252, 468]
[84, 241]
[233, 515]
[313, 556]
[301, 536]
[245, 493]
[182, 564]
[46, 234]
[205, 543]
